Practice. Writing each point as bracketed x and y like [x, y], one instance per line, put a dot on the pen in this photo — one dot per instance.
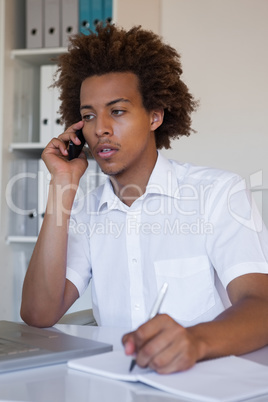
[154, 312]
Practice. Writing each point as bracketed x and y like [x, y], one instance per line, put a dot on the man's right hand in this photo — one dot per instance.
[55, 155]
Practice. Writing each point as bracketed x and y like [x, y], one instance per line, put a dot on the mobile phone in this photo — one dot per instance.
[75, 150]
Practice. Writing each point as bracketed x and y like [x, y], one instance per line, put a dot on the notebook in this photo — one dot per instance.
[227, 379]
[24, 347]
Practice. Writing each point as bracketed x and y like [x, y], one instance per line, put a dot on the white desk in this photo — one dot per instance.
[59, 384]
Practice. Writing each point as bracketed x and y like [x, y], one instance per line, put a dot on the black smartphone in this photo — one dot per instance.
[75, 150]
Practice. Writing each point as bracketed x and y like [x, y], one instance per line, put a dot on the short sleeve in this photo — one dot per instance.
[78, 254]
[239, 241]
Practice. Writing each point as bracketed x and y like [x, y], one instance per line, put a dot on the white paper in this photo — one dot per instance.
[114, 365]
[227, 379]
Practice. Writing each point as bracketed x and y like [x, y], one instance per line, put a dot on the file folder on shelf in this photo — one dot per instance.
[52, 17]
[31, 224]
[22, 198]
[43, 187]
[26, 109]
[49, 105]
[84, 16]
[15, 196]
[34, 24]
[107, 11]
[96, 13]
[57, 127]
[69, 24]
[93, 11]
[46, 101]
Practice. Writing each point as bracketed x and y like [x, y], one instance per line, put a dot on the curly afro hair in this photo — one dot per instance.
[156, 64]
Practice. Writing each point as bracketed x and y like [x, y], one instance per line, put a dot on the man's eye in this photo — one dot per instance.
[88, 117]
[117, 112]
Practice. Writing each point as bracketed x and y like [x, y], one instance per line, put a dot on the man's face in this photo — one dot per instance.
[117, 128]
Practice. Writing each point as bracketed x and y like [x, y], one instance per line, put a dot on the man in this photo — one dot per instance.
[153, 221]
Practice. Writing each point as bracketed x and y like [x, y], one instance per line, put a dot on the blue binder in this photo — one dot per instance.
[96, 13]
[107, 11]
[84, 16]
[93, 11]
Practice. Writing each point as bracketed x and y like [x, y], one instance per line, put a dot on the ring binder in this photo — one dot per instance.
[52, 23]
[34, 24]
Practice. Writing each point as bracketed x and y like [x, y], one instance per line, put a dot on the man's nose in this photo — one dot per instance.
[103, 126]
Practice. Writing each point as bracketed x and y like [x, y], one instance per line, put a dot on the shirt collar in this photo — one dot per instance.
[163, 181]
[108, 198]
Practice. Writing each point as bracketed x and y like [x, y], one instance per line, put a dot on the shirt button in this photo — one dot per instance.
[137, 306]
[134, 260]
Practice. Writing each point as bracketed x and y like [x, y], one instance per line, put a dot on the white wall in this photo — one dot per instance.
[224, 49]
[146, 13]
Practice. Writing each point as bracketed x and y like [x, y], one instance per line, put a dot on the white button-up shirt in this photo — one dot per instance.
[194, 228]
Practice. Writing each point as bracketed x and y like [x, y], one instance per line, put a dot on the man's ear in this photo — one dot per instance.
[157, 117]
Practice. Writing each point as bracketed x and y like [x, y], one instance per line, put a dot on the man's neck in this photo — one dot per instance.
[130, 188]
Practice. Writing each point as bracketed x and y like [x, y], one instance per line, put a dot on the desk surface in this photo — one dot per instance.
[58, 384]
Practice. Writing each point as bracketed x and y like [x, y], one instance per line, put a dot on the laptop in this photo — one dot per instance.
[22, 346]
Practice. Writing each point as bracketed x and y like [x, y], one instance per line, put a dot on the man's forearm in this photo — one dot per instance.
[43, 300]
[239, 329]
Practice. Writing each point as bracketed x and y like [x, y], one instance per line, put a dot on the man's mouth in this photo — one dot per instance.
[105, 151]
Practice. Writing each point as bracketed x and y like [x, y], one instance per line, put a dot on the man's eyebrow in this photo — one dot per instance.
[117, 101]
[107, 104]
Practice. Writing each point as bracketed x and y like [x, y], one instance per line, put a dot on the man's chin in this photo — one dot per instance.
[112, 172]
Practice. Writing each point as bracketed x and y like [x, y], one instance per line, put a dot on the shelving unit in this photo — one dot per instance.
[26, 146]
[21, 239]
[27, 64]
[16, 249]
[27, 149]
[37, 56]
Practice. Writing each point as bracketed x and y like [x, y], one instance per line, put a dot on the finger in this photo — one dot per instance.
[56, 144]
[176, 364]
[151, 328]
[145, 338]
[70, 133]
[74, 127]
[125, 338]
[173, 356]
[66, 137]
[153, 352]
[165, 341]
[130, 347]
[170, 361]
[171, 350]
[129, 344]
